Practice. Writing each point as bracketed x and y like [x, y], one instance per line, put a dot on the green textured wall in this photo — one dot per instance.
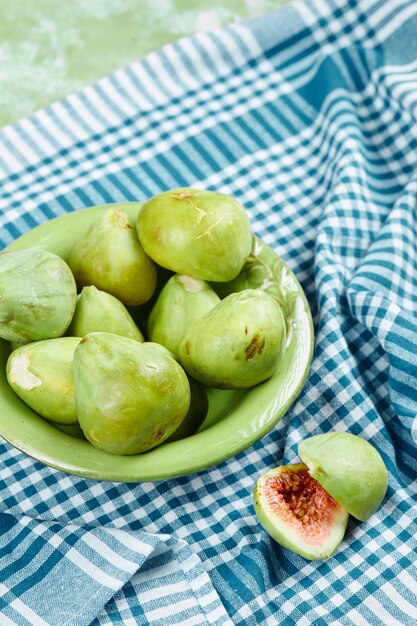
[49, 48]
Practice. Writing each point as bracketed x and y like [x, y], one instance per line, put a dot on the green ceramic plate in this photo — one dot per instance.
[236, 419]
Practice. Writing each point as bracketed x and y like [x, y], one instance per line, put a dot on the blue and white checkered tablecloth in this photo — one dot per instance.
[308, 116]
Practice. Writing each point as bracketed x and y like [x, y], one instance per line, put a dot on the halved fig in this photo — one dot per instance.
[298, 513]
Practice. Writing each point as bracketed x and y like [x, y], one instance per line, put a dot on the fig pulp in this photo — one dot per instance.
[182, 300]
[100, 311]
[37, 295]
[111, 258]
[349, 468]
[130, 396]
[203, 234]
[238, 343]
[298, 513]
[41, 374]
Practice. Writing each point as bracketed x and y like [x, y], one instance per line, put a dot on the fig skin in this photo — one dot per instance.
[111, 258]
[196, 414]
[287, 521]
[37, 293]
[238, 343]
[349, 468]
[203, 234]
[130, 397]
[41, 374]
[182, 300]
[98, 311]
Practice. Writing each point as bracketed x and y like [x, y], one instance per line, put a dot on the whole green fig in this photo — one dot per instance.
[238, 343]
[111, 258]
[203, 234]
[98, 311]
[130, 397]
[37, 295]
[182, 300]
[41, 374]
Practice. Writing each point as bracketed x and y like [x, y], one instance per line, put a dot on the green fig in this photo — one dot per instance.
[130, 397]
[196, 414]
[203, 234]
[298, 513]
[181, 301]
[37, 295]
[238, 343]
[41, 374]
[100, 311]
[349, 468]
[111, 258]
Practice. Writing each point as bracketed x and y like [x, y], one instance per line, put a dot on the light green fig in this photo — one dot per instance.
[349, 468]
[98, 311]
[196, 414]
[203, 234]
[37, 295]
[130, 397]
[298, 513]
[111, 258]
[41, 374]
[238, 343]
[182, 300]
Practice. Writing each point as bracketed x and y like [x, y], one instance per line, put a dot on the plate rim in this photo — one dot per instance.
[275, 411]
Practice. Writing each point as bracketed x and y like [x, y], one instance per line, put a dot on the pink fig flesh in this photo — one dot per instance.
[298, 513]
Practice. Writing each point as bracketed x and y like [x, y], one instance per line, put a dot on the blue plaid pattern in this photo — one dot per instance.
[309, 117]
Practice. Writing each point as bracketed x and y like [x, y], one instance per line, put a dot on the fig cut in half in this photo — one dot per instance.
[298, 513]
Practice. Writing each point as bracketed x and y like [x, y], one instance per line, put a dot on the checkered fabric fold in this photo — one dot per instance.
[308, 116]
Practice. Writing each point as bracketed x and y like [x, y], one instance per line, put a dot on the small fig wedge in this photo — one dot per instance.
[203, 234]
[182, 300]
[298, 513]
[130, 397]
[111, 258]
[37, 295]
[98, 311]
[41, 374]
[349, 468]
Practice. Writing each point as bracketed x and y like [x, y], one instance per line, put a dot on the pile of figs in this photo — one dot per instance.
[125, 335]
